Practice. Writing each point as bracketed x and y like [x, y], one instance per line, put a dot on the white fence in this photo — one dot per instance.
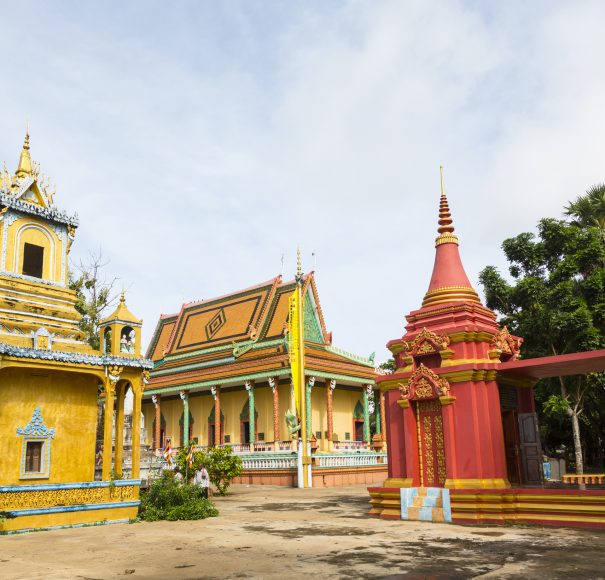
[345, 460]
[276, 462]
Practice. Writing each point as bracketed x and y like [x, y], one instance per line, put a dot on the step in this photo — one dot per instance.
[426, 514]
[426, 501]
[425, 504]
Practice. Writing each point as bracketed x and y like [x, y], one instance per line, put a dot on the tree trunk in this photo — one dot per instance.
[575, 427]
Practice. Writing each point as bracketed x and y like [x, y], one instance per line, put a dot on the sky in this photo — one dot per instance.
[199, 142]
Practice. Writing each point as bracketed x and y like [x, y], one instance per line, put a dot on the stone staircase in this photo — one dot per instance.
[426, 504]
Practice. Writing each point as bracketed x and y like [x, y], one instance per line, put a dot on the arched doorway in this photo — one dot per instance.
[358, 422]
[432, 453]
[244, 419]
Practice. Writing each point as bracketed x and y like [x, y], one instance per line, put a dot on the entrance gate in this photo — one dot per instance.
[430, 440]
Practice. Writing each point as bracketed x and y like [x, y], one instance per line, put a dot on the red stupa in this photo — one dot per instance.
[461, 422]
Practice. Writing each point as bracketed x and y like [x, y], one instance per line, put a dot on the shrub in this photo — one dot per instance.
[222, 467]
[168, 499]
[220, 462]
[181, 461]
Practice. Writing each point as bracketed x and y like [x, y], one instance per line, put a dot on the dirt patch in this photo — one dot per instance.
[271, 532]
[304, 531]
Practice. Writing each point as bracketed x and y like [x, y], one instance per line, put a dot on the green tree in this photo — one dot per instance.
[589, 209]
[222, 465]
[388, 367]
[93, 295]
[556, 302]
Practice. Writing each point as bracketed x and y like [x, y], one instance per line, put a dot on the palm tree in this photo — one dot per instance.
[589, 209]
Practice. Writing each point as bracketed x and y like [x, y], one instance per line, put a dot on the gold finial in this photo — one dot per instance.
[122, 297]
[25, 163]
[446, 227]
[442, 189]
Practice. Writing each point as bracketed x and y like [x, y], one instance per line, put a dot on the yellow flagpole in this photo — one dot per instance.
[302, 384]
[297, 364]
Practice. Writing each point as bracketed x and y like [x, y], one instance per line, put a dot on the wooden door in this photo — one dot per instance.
[212, 434]
[358, 430]
[245, 427]
[531, 450]
[432, 456]
[510, 427]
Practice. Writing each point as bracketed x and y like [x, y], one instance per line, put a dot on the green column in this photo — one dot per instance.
[310, 384]
[250, 389]
[366, 414]
[185, 398]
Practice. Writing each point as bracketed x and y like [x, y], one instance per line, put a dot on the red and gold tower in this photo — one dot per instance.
[444, 420]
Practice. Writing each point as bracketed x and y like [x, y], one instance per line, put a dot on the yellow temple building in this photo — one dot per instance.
[51, 379]
[222, 376]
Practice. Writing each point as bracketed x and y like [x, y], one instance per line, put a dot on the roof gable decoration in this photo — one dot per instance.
[28, 190]
[313, 331]
[424, 384]
[503, 342]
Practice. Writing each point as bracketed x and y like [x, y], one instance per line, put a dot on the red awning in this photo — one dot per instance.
[577, 363]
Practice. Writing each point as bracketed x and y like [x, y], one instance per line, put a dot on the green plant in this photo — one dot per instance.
[168, 499]
[181, 461]
[222, 467]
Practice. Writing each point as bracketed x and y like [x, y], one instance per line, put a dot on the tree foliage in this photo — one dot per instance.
[93, 294]
[220, 462]
[556, 302]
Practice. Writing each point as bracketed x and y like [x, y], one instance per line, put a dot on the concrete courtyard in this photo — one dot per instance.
[273, 532]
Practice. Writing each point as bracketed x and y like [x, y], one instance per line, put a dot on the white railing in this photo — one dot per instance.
[351, 446]
[365, 459]
[269, 462]
[284, 445]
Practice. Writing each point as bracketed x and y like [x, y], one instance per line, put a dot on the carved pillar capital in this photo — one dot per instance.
[332, 384]
[184, 395]
[154, 400]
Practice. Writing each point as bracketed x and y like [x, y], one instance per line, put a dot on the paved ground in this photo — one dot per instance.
[272, 532]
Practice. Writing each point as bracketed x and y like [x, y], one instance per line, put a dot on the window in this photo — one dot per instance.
[33, 456]
[317, 434]
[33, 260]
[227, 438]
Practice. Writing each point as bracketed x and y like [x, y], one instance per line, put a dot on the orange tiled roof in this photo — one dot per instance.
[224, 337]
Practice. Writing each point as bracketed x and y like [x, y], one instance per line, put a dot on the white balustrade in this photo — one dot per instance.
[346, 460]
[351, 445]
[287, 462]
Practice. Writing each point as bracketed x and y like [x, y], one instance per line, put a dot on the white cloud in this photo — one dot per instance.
[198, 143]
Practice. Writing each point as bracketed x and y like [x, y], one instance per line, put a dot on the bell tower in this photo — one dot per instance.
[35, 240]
[121, 332]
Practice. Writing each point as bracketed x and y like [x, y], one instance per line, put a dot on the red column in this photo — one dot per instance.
[383, 423]
[274, 383]
[396, 442]
[330, 408]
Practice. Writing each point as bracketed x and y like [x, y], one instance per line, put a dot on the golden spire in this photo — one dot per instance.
[446, 227]
[25, 163]
[122, 297]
